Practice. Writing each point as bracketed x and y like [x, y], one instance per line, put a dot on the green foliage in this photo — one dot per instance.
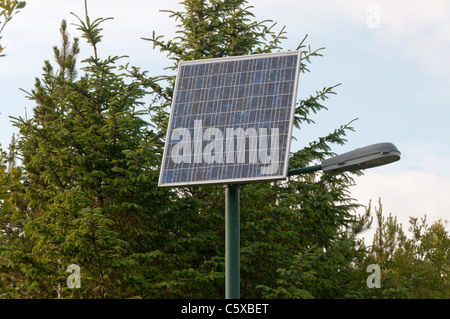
[8, 9]
[277, 219]
[416, 267]
[79, 186]
[89, 174]
[91, 31]
[209, 29]
[411, 268]
[86, 192]
[320, 273]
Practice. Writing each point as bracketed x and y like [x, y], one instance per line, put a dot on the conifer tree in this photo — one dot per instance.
[278, 220]
[86, 190]
[414, 266]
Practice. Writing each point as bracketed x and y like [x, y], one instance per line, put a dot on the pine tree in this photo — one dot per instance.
[278, 220]
[86, 190]
[412, 266]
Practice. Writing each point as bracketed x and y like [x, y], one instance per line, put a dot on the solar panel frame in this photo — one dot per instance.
[199, 85]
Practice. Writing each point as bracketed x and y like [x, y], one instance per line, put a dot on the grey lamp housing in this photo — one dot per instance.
[362, 158]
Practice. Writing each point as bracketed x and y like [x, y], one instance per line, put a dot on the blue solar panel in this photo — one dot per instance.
[231, 120]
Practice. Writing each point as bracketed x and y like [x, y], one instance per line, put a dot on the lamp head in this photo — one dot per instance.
[362, 158]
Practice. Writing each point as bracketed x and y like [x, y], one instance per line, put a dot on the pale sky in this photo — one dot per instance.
[390, 56]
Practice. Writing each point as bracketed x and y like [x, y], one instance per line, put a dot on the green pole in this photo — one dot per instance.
[304, 170]
[232, 235]
[232, 242]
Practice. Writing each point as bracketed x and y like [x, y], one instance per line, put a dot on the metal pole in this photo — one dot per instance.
[304, 170]
[232, 235]
[232, 242]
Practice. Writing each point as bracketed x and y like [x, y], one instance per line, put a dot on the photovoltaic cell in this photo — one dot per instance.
[231, 120]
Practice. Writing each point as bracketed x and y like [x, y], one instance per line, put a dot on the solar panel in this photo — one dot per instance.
[231, 120]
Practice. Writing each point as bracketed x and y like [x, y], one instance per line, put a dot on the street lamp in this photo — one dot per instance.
[361, 158]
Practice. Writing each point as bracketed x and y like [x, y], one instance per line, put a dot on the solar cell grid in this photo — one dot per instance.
[231, 120]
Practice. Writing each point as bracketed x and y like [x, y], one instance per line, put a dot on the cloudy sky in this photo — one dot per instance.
[391, 58]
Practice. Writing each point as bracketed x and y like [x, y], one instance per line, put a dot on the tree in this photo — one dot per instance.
[86, 191]
[87, 180]
[387, 234]
[8, 9]
[333, 272]
[416, 267]
[422, 261]
[278, 220]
